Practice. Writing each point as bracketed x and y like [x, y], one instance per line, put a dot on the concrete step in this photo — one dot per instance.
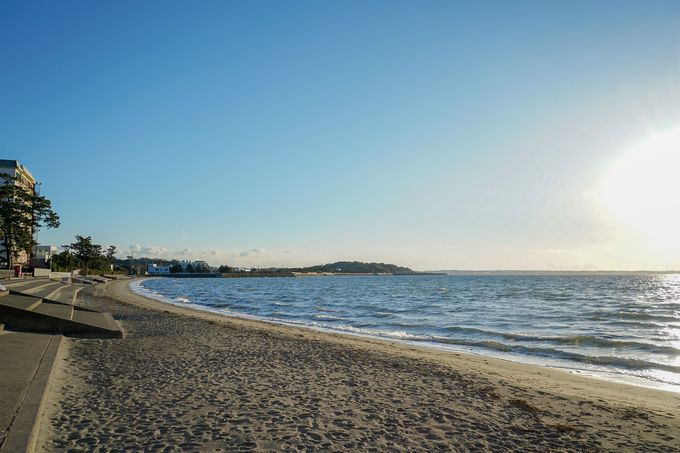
[30, 307]
[36, 286]
[20, 283]
[21, 302]
[30, 314]
[102, 321]
[56, 310]
[116, 277]
[45, 291]
[67, 294]
[51, 290]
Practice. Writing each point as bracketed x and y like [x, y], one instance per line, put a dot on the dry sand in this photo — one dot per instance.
[184, 380]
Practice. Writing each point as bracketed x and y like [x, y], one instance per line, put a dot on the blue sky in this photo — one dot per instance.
[430, 134]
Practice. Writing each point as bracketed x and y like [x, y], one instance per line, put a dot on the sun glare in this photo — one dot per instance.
[642, 189]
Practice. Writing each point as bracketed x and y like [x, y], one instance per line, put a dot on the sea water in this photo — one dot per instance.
[622, 327]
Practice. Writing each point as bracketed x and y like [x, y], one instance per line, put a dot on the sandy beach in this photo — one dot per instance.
[183, 380]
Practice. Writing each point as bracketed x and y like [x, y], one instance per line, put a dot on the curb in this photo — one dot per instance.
[23, 433]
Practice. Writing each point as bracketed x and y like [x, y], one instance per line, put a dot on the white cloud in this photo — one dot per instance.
[254, 257]
[189, 253]
[152, 251]
[252, 253]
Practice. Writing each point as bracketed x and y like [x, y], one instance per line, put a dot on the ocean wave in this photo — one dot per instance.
[281, 304]
[406, 324]
[138, 288]
[574, 340]
[600, 342]
[628, 324]
[328, 317]
[398, 335]
[647, 316]
[384, 314]
[612, 361]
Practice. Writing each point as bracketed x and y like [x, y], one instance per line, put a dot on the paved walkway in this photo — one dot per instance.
[22, 355]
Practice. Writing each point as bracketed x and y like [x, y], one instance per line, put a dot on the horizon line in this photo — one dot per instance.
[633, 271]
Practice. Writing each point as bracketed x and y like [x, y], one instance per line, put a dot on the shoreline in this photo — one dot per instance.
[481, 362]
[554, 364]
[184, 379]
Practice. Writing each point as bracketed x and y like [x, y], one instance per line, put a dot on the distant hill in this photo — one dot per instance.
[356, 267]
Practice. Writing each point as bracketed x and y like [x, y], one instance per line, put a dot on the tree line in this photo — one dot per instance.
[85, 255]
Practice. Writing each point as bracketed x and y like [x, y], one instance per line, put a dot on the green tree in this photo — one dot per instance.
[202, 267]
[175, 267]
[224, 269]
[64, 261]
[190, 268]
[86, 253]
[22, 212]
[111, 254]
[101, 263]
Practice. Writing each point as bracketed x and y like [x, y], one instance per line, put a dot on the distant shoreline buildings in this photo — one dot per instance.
[42, 254]
[184, 266]
[157, 269]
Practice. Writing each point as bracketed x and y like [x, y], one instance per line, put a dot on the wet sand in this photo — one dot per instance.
[183, 380]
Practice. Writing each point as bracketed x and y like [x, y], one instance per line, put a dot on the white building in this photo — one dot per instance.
[43, 253]
[184, 264]
[157, 269]
[15, 169]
